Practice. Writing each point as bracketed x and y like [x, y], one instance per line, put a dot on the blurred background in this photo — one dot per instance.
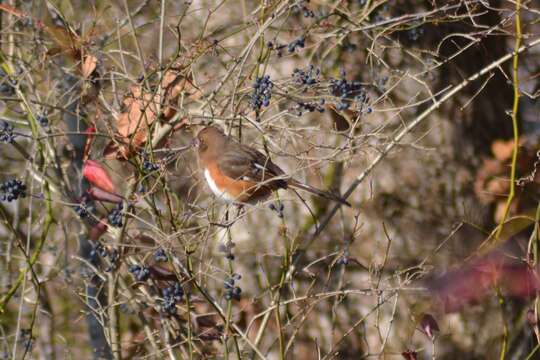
[424, 113]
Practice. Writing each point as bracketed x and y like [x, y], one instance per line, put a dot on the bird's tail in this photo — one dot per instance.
[318, 192]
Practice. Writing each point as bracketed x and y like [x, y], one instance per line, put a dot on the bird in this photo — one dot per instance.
[237, 173]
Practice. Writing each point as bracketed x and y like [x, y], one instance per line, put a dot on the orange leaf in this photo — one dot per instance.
[96, 175]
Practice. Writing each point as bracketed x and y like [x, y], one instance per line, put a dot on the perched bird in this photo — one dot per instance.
[241, 174]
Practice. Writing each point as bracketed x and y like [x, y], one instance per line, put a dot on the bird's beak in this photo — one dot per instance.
[195, 143]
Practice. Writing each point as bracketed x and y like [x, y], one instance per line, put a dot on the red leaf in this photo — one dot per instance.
[96, 175]
[410, 355]
[102, 195]
[429, 325]
[474, 281]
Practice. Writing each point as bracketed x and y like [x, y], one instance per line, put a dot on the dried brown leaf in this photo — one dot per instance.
[502, 150]
[88, 66]
[141, 111]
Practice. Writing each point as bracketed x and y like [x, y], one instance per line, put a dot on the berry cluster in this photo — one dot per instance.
[278, 47]
[141, 273]
[101, 251]
[6, 133]
[149, 166]
[227, 250]
[310, 107]
[343, 259]
[7, 84]
[115, 216]
[171, 296]
[297, 44]
[43, 120]
[307, 77]
[279, 208]
[262, 92]
[362, 100]
[345, 90]
[85, 207]
[415, 33]
[12, 190]
[160, 255]
[232, 291]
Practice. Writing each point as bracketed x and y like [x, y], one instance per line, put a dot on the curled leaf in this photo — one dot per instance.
[96, 175]
[88, 66]
[429, 325]
[143, 107]
[102, 195]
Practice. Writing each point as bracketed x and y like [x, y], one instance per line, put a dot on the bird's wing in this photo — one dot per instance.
[242, 162]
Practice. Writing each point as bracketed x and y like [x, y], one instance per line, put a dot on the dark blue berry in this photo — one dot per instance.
[262, 92]
[415, 33]
[134, 268]
[141, 273]
[308, 13]
[43, 120]
[84, 208]
[307, 77]
[114, 256]
[93, 256]
[115, 216]
[12, 190]
[6, 132]
[144, 274]
[160, 255]
[149, 166]
[7, 84]
[347, 92]
[309, 107]
[344, 258]
[297, 44]
[232, 291]
[171, 296]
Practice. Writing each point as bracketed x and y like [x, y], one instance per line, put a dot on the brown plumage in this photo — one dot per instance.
[239, 173]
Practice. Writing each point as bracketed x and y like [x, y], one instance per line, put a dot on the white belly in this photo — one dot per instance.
[215, 189]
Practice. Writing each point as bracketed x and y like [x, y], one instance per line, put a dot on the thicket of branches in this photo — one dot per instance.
[424, 114]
